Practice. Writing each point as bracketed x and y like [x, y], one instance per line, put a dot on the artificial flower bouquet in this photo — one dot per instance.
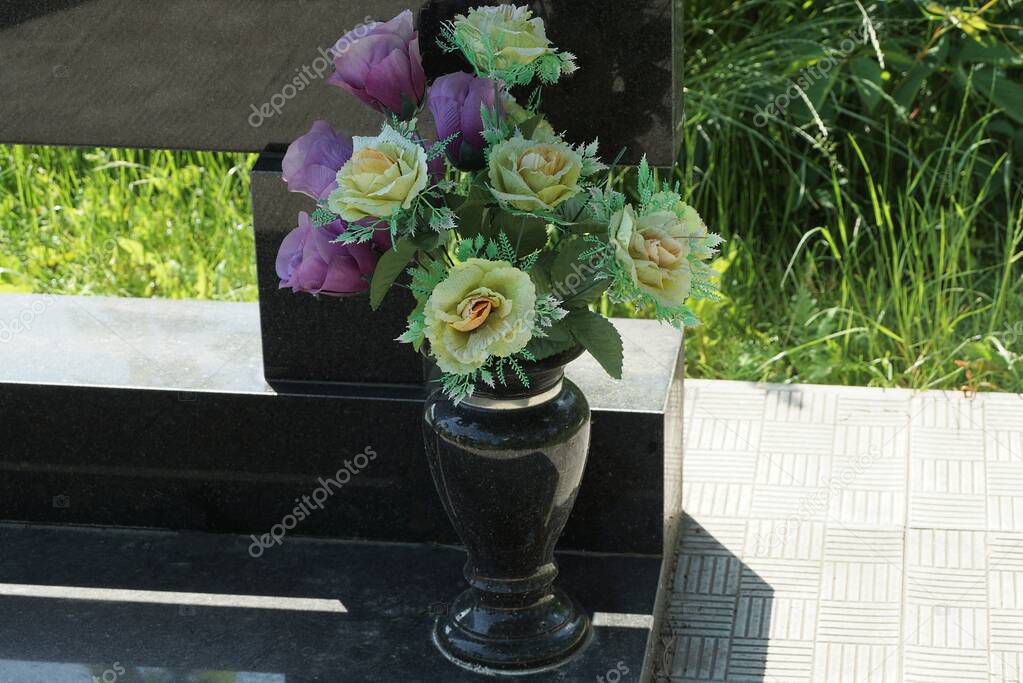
[505, 232]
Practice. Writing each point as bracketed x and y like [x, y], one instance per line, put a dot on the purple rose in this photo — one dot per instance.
[312, 161]
[309, 261]
[381, 65]
[455, 101]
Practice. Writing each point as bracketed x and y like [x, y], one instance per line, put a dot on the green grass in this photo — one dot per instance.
[126, 223]
[875, 222]
[875, 227]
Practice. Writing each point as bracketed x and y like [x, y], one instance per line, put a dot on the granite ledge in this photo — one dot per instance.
[206, 346]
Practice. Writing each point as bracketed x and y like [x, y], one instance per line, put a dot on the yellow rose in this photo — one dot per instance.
[483, 308]
[655, 250]
[511, 33]
[534, 176]
[385, 173]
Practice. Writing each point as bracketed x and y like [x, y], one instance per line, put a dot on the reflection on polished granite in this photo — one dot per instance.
[196, 74]
[391, 593]
[62, 672]
[210, 346]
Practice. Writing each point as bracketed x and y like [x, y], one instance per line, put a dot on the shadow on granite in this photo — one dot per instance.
[154, 606]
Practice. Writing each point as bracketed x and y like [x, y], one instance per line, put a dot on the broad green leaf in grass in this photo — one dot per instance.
[990, 52]
[598, 336]
[1008, 96]
[868, 80]
[907, 91]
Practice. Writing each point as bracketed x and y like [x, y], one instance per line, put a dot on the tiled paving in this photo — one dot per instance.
[849, 535]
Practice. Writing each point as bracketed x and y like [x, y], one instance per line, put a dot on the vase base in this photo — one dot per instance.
[521, 641]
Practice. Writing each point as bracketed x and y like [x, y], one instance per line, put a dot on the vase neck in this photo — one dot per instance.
[497, 401]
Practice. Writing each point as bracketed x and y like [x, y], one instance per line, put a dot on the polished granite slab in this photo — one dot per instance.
[240, 75]
[160, 607]
[206, 346]
[155, 413]
[353, 342]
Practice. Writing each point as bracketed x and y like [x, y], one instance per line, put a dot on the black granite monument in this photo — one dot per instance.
[148, 454]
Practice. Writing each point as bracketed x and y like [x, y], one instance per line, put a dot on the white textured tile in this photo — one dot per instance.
[783, 540]
[869, 623]
[947, 411]
[795, 437]
[850, 535]
[770, 661]
[719, 466]
[793, 469]
[1007, 629]
[1004, 445]
[841, 662]
[949, 511]
[700, 659]
[873, 411]
[944, 665]
[946, 548]
[716, 499]
[723, 433]
[713, 535]
[1006, 666]
[802, 406]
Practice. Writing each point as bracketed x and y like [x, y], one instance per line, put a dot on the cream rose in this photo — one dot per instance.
[655, 250]
[534, 176]
[483, 308]
[385, 173]
[510, 33]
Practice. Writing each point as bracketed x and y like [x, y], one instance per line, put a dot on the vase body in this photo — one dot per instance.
[508, 464]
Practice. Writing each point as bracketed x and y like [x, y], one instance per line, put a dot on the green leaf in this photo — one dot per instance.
[990, 52]
[575, 281]
[585, 228]
[1007, 95]
[868, 81]
[528, 127]
[472, 212]
[545, 347]
[600, 338]
[907, 91]
[323, 216]
[526, 233]
[388, 269]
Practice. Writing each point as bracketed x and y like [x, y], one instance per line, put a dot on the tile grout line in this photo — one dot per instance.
[907, 507]
[985, 536]
[824, 546]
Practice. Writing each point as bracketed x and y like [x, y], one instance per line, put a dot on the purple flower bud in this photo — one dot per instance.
[381, 65]
[456, 100]
[313, 160]
[309, 261]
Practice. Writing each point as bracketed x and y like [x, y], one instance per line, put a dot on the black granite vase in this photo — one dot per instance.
[507, 464]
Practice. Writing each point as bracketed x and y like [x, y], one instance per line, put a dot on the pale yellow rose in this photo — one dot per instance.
[655, 250]
[513, 33]
[534, 176]
[385, 173]
[483, 308]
